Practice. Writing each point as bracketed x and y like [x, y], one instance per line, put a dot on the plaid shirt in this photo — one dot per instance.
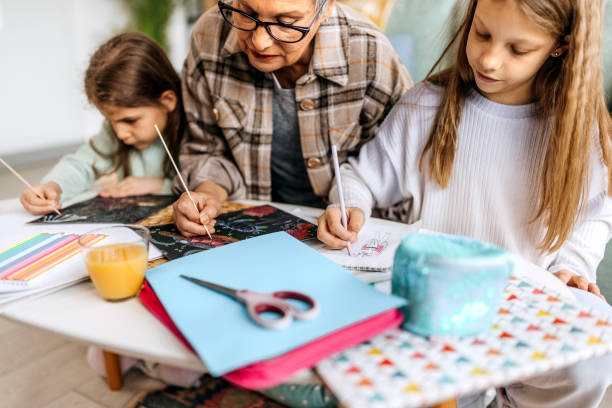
[355, 78]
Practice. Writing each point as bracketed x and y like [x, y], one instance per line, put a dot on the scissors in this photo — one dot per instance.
[258, 303]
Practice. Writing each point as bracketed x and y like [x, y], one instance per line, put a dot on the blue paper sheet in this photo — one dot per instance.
[219, 328]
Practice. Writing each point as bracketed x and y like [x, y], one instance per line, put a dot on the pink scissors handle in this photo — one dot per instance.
[258, 303]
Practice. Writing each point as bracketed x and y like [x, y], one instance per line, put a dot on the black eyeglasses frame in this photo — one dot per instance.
[303, 30]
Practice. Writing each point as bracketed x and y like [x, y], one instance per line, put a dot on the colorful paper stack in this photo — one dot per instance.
[36, 255]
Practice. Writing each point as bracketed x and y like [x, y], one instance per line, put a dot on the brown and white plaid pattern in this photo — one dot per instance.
[354, 80]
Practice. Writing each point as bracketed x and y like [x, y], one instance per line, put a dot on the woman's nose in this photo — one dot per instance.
[261, 39]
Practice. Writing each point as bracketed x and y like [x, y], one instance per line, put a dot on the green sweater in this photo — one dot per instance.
[77, 172]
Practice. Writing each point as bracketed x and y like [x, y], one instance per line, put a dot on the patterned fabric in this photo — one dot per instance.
[212, 392]
[302, 395]
[534, 333]
[354, 79]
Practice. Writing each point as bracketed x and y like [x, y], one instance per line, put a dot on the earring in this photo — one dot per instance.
[556, 54]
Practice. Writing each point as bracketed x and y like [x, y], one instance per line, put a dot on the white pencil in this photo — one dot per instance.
[12, 170]
[340, 194]
[179, 176]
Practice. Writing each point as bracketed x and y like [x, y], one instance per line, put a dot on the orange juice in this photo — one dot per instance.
[117, 270]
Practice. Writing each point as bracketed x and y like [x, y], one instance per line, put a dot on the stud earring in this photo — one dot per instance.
[556, 54]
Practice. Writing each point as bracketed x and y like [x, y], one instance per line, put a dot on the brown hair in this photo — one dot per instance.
[569, 94]
[132, 70]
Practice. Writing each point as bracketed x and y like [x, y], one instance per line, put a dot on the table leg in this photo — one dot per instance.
[447, 404]
[113, 370]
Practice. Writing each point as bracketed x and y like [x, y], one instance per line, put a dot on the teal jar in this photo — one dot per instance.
[453, 285]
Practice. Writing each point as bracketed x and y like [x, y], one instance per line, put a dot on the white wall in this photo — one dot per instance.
[44, 50]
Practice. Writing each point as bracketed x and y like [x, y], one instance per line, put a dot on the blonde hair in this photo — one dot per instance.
[569, 93]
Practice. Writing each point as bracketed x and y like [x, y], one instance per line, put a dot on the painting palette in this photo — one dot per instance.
[232, 227]
[103, 210]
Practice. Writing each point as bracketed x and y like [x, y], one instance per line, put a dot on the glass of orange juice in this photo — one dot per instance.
[117, 264]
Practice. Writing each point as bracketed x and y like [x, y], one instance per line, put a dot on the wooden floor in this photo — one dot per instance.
[43, 370]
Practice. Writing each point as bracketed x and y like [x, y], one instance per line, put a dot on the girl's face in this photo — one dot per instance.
[505, 51]
[264, 52]
[134, 125]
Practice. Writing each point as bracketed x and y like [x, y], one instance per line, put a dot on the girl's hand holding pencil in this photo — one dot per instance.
[41, 199]
[331, 232]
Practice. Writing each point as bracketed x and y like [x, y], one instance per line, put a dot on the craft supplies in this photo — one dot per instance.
[109, 210]
[258, 303]
[534, 332]
[220, 329]
[453, 284]
[178, 173]
[232, 227]
[25, 261]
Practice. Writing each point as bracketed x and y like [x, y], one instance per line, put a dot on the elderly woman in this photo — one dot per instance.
[268, 87]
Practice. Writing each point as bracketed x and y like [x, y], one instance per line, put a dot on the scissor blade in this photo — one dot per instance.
[219, 288]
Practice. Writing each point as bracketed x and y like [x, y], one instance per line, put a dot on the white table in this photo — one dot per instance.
[128, 327]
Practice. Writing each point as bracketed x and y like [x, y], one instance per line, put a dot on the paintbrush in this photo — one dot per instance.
[179, 176]
[12, 170]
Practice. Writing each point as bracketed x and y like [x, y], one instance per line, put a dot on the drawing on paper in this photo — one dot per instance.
[374, 246]
[232, 227]
[109, 210]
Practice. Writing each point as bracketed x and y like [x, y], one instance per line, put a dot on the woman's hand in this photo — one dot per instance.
[133, 186]
[577, 281]
[332, 233]
[41, 199]
[208, 198]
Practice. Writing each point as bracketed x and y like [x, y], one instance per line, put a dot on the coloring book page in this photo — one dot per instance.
[101, 210]
[375, 248]
[232, 227]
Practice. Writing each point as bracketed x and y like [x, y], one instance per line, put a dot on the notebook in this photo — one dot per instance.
[374, 250]
[22, 263]
[68, 272]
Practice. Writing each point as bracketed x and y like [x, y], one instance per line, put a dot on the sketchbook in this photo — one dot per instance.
[374, 250]
[23, 263]
[61, 274]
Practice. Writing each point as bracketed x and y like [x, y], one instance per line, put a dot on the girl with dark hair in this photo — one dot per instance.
[133, 84]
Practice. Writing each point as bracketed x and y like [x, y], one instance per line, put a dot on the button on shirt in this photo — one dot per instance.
[290, 183]
[354, 79]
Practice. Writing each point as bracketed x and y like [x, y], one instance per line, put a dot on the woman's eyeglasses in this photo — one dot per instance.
[282, 32]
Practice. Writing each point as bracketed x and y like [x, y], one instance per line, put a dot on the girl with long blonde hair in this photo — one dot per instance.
[511, 145]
